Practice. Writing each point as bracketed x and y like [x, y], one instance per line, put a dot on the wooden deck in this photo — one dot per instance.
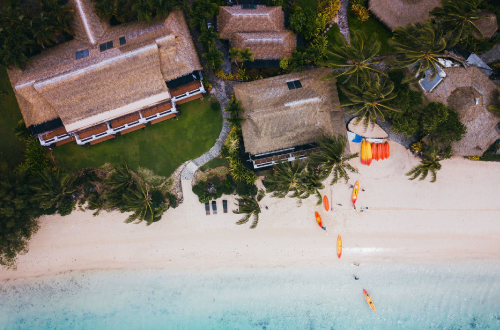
[56, 132]
[107, 137]
[187, 99]
[83, 134]
[131, 129]
[61, 142]
[162, 118]
[185, 88]
[157, 109]
[125, 120]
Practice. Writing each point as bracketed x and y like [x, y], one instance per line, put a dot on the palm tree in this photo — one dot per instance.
[250, 207]
[331, 159]
[140, 201]
[234, 108]
[496, 108]
[144, 10]
[368, 98]
[214, 58]
[120, 181]
[245, 55]
[429, 163]
[291, 177]
[52, 188]
[233, 54]
[202, 9]
[352, 58]
[208, 36]
[458, 18]
[105, 8]
[420, 46]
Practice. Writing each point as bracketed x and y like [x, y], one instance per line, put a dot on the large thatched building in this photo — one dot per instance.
[260, 28]
[469, 91]
[399, 13]
[108, 81]
[285, 115]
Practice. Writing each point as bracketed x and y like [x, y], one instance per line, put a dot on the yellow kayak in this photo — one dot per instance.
[369, 299]
[355, 193]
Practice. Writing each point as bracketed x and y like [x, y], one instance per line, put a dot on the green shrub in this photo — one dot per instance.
[213, 188]
[66, 206]
[215, 106]
[172, 200]
[442, 123]
[245, 189]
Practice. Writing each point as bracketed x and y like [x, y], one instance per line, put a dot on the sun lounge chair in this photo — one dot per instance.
[224, 205]
[214, 207]
[207, 208]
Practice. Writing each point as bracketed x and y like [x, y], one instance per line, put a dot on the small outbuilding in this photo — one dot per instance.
[399, 13]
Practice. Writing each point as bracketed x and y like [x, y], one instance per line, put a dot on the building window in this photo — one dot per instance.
[106, 46]
[123, 41]
[82, 54]
[248, 6]
[294, 84]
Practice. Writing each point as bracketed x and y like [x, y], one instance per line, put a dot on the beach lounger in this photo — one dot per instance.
[207, 208]
[214, 207]
[224, 205]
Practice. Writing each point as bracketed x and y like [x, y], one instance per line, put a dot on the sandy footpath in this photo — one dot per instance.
[456, 218]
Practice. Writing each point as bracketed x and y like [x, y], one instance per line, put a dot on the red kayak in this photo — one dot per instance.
[318, 220]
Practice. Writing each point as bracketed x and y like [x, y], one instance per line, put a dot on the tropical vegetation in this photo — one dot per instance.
[121, 11]
[496, 107]
[332, 158]
[354, 58]
[27, 28]
[369, 99]
[429, 164]
[250, 207]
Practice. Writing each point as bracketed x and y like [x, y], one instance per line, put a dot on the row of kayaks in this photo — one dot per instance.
[377, 151]
[326, 204]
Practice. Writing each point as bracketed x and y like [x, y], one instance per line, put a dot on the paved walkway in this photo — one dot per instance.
[342, 19]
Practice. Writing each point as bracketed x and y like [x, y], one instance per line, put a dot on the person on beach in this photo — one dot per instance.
[267, 208]
[356, 278]
[351, 186]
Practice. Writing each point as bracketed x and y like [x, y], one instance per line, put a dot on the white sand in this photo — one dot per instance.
[456, 218]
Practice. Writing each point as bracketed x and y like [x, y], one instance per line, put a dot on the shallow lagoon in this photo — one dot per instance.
[445, 296]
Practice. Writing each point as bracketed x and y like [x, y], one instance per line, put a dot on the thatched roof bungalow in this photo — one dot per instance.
[487, 25]
[103, 73]
[285, 115]
[399, 13]
[469, 91]
[260, 28]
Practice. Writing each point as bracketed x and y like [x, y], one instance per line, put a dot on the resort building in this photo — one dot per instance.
[286, 115]
[258, 27]
[469, 91]
[108, 80]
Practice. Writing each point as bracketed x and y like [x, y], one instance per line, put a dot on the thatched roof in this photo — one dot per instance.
[266, 45]
[487, 25]
[261, 19]
[469, 91]
[56, 84]
[87, 26]
[278, 118]
[396, 13]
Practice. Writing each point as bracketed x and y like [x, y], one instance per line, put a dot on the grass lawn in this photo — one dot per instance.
[216, 162]
[334, 36]
[161, 147]
[312, 4]
[11, 149]
[370, 27]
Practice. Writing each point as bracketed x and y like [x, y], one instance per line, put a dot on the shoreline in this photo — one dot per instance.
[406, 222]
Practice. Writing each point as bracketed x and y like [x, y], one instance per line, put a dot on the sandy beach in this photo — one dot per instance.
[454, 219]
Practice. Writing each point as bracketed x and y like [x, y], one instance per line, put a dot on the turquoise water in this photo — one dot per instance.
[450, 296]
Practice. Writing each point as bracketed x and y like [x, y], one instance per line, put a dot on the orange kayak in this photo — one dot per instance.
[339, 246]
[387, 149]
[318, 220]
[381, 151]
[325, 202]
[374, 151]
[355, 193]
[369, 299]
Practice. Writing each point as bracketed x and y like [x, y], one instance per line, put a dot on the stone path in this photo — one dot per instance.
[342, 19]
[222, 90]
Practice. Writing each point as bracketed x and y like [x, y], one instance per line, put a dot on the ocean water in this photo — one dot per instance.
[443, 296]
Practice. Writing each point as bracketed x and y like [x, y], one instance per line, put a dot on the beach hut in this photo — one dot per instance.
[258, 27]
[469, 91]
[108, 80]
[285, 115]
[399, 13]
